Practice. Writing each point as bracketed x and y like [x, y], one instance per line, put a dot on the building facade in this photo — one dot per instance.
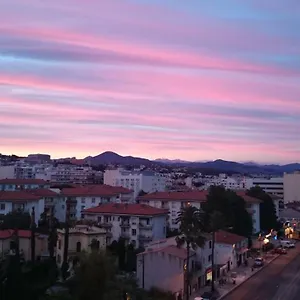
[175, 201]
[165, 256]
[230, 251]
[137, 224]
[81, 238]
[291, 184]
[137, 181]
[88, 196]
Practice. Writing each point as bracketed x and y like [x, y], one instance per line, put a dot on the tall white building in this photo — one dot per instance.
[136, 223]
[137, 181]
[175, 201]
[291, 183]
[273, 185]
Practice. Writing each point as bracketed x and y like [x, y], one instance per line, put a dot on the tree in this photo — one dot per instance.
[16, 219]
[191, 228]
[233, 209]
[268, 217]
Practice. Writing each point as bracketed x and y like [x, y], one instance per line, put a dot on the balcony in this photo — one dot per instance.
[125, 224]
[105, 224]
[145, 226]
[145, 237]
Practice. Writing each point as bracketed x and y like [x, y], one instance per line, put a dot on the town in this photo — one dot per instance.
[72, 228]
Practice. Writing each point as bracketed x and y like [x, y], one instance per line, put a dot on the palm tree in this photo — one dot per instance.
[191, 229]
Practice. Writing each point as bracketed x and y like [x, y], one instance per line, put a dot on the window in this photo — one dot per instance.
[58, 259]
[210, 244]
[133, 232]
[93, 200]
[2, 206]
[59, 244]
[209, 257]
[82, 200]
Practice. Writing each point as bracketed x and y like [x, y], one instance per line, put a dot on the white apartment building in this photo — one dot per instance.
[138, 224]
[68, 173]
[170, 260]
[232, 183]
[137, 181]
[174, 201]
[22, 184]
[81, 238]
[291, 183]
[21, 200]
[88, 196]
[230, 251]
[7, 171]
[272, 185]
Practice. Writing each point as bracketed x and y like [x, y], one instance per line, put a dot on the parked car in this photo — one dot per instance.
[258, 262]
[287, 244]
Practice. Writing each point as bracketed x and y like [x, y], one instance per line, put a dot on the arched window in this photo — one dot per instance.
[98, 245]
[78, 247]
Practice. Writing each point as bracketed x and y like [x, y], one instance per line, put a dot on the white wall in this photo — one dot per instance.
[291, 184]
[7, 172]
[161, 270]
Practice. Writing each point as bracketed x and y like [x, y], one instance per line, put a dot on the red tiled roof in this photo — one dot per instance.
[94, 190]
[22, 181]
[42, 192]
[248, 198]
[5, 234]
[193, 196]
[224, 237]
[126, 209]
[18, 196]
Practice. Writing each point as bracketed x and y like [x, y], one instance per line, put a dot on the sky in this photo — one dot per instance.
[195, 80]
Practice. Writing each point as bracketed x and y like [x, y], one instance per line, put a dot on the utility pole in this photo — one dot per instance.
[143, 261]
[213, 262]
[65, 265]
[32, 240]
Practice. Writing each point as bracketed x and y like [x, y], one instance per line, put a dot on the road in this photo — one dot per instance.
[280, 280]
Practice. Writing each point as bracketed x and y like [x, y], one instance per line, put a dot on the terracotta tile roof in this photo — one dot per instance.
[18, 196]
[5, 234]
[126, 209]
[225, 237]
[22, 181]
[42, 192]
[247, 198]
[94, 190]
[193, 196]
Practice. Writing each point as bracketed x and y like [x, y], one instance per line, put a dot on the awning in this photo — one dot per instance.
[242, 250]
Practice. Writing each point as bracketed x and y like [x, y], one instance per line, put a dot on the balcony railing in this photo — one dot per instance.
[105, 224]
[145, 237]
[145, 226]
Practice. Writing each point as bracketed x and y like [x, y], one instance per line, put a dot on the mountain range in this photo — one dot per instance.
[220, 165]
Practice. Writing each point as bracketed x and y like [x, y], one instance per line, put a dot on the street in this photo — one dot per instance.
[277, 281]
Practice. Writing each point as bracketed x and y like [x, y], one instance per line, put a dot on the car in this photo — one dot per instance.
[258, 262]
[287, 244]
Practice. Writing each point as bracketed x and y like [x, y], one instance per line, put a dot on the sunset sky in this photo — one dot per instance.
[196, 80]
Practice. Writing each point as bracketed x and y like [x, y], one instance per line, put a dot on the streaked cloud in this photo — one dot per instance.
[170, 79]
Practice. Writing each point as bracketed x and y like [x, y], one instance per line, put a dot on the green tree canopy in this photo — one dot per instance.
[232, 208]
[16, 220]
[268, 218]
